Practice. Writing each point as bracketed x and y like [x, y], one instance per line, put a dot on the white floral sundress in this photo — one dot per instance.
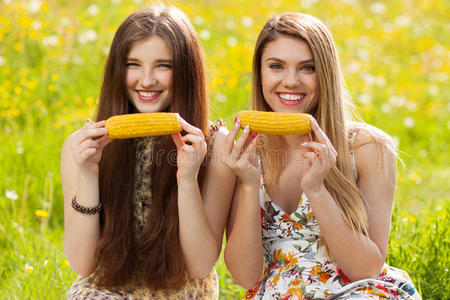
[297, 268]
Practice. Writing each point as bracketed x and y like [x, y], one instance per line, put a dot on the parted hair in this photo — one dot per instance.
[329, 112]
[154, 257]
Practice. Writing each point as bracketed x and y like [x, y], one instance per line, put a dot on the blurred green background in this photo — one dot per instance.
[394, 55]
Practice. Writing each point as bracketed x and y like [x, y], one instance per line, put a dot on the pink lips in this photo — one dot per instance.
[155, 94]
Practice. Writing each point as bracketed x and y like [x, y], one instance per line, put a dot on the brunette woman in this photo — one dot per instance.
[144, 217]
[314, 212]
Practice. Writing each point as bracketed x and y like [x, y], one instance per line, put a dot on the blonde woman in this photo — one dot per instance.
[313, 211]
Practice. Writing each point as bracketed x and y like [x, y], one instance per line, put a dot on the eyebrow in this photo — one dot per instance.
[280, 60]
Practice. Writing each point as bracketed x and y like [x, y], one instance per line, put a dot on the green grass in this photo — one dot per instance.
[394, 57]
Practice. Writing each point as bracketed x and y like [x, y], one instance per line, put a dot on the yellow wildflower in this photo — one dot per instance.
[41, 213]
[29, 269]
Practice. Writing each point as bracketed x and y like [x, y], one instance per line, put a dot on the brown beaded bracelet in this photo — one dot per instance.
[86, 210]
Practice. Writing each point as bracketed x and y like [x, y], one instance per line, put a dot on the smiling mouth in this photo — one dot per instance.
[148, 95]
[291, 98]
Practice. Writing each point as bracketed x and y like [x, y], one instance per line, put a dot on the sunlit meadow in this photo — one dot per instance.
[395, 56]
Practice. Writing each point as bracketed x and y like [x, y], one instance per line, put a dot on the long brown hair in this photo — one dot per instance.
[329, 113]
[118, 251]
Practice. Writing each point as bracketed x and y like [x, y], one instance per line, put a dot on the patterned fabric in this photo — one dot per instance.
[205, 288]
[296, 267]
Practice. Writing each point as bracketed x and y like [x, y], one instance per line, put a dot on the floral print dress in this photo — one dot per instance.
[296, 267]
[206, 288]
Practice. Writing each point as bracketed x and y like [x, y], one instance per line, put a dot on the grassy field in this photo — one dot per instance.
[395, 57]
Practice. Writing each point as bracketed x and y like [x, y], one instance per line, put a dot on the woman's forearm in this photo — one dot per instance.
[243, 252]
[82, 232]
[356, 254]
[200, 248]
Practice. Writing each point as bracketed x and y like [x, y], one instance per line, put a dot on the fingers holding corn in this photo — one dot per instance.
[87, 145]
[191, 150]
[321, 157]
[240, 155]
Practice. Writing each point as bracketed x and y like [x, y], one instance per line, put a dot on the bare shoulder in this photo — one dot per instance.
[365, 134]
[374, 150]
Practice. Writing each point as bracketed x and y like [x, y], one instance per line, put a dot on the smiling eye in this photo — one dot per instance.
[131, 64]
[308, 68]
[165, 66]
[276, 66]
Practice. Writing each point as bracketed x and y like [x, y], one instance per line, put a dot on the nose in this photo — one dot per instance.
[147, 78]
[291, 79]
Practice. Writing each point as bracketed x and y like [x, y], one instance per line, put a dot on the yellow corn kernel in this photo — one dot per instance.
[142, 124]
[275, 122]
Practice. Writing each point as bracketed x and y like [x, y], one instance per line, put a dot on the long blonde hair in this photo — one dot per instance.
[329, 113]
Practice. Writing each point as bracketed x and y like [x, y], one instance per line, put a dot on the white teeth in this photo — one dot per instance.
[291, 97]
[148, 94]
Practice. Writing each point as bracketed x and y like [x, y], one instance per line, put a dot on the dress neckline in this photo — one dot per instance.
[302, 200]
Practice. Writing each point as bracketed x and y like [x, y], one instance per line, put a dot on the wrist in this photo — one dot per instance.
[316, 193]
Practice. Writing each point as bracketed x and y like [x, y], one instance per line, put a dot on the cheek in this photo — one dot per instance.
[165, 78]
[131, 77]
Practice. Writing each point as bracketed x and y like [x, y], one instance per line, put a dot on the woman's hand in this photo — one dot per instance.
[241, 156]
[88, 146]
[191, 150]
[321, 156]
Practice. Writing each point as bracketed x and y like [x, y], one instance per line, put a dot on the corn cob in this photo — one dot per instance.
[275, 122]
[142, 124]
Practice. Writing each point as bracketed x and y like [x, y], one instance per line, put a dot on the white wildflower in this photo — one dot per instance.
[221, 97]
[433, 90]
[36, 25]
[12, 195]
[247, 22]
[19, 147]
[93, 9]
[2, 61]
[364, 98]
[408, 122]
[232, 41]
[403, 21]
[368, 23]
[198, 20]
[369, 79]
[77, 60]
[230, 24]
[35, 5]
[88, 36]
[362, 54]
[51, 41]
[353, 67]
[386, 108]
[308, 3]
[205, 34]
[378, 8]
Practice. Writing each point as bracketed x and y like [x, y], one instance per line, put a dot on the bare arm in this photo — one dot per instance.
[201, 222]
[243, 251]
[377, 184]
[79, 177]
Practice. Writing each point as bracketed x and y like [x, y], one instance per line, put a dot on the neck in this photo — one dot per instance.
[293, 142]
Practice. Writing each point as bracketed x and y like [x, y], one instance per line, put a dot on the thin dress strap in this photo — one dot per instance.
[351, 140]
